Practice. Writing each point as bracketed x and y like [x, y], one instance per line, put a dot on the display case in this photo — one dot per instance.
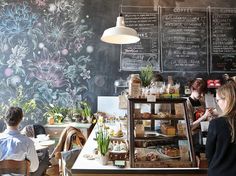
[159, 134]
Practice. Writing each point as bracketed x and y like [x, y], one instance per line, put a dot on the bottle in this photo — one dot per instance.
[134, 86]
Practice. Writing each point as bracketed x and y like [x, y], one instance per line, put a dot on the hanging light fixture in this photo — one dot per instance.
[120, 34]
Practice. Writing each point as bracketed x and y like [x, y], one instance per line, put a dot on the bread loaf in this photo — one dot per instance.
[168, 130]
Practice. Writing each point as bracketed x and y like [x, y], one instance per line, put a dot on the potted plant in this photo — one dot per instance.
[146, 75]
[55, 114]
[103, 141]
[85, 112]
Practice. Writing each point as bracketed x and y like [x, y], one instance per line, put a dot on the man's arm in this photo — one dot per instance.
[32, 157]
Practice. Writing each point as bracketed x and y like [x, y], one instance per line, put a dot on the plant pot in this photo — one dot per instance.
[89, 119]
[51, 120]
[104, 158]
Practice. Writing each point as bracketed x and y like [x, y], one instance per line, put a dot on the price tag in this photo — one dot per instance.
[119, 163]
[151, 98]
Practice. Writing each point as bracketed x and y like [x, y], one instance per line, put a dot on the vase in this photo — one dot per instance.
[89, 119]
[139, 129]
[104, 158]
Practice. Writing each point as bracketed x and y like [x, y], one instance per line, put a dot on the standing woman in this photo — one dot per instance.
[221, 142]
[197, 112]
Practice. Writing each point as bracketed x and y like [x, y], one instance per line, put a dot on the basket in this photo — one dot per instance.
[119, 155]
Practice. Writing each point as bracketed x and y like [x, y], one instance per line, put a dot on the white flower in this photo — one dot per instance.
[18, 54]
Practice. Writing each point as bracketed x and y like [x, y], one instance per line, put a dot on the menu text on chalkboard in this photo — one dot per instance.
[223, 40]
[133, 57]
[184, 36]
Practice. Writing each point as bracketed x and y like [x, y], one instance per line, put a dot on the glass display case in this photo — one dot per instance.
[159, 134]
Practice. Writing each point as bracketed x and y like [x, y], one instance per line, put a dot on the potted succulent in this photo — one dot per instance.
[146, 75]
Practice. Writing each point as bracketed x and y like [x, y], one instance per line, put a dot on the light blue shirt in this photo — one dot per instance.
[16, 146]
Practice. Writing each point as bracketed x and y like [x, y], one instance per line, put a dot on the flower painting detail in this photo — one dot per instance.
[45, 49]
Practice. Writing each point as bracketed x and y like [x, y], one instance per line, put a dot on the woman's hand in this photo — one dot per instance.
[209, 115]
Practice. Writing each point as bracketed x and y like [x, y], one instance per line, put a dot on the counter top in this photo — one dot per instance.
[83, 166]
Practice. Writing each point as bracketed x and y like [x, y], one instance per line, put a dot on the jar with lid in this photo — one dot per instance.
[134, 86]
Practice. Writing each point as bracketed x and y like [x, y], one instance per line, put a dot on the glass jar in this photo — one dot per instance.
[134, 86]
[139, 130]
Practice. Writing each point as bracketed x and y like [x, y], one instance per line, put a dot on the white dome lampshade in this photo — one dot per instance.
[120, 34]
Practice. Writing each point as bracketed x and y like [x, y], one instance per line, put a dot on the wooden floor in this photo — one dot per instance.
[53, 171]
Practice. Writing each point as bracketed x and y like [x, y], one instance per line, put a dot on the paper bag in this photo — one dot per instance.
[123, 101]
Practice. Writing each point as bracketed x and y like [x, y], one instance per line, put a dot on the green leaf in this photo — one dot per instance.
[146, 75]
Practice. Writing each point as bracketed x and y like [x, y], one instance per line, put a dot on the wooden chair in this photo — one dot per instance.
[15, 167]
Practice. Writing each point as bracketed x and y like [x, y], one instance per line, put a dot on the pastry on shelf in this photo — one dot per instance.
[163, 115]
[146, 115]
[168, 130]
[119, 133]
[171, 151]
[152, 156]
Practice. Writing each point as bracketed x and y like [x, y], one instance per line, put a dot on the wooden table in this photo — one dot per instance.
[40, 145]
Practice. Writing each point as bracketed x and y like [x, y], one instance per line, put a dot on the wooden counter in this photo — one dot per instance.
[85, 167]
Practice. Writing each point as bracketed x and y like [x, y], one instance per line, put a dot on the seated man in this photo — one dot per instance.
[43, 155]
[14, 145]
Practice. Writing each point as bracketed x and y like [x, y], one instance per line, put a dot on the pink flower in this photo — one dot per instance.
[8, 72]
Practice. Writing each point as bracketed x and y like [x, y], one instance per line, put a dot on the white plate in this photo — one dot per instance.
[89, 156]
[166, 156]
[47, 143]
[156, 134]
[164, 135]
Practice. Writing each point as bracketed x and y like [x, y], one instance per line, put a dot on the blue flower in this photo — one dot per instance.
[16, 18]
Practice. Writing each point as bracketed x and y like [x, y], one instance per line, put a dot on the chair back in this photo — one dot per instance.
[38, 129]
[15, 167]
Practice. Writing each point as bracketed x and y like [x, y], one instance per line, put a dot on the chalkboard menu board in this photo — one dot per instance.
[223, 40]
[146, 52]
[184, 39]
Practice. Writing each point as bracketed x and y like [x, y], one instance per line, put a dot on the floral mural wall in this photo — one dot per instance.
[45, 50]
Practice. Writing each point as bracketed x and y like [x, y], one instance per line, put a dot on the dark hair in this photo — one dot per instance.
[157, 77]
[14, 116]
[199, 85]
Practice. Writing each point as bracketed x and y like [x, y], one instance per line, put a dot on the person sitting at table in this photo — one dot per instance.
[43, 154]
[14, 145]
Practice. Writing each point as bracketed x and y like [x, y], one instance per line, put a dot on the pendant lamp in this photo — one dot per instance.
[120, 34]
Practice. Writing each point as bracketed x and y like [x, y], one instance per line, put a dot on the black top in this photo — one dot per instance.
[221, 153]
[195, 103]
